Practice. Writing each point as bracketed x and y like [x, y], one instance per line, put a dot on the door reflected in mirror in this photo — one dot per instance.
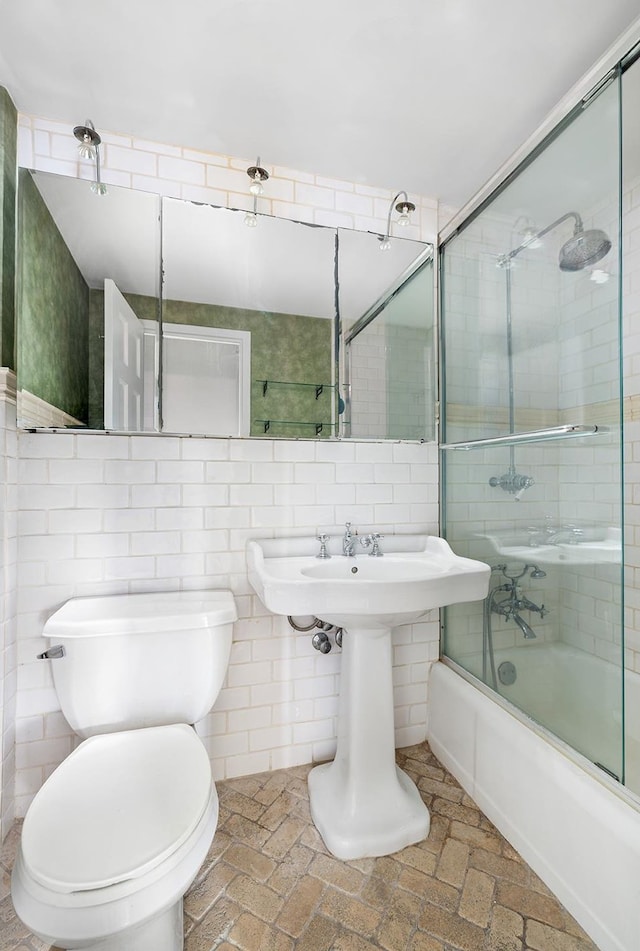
[275, 282]
[285, 329]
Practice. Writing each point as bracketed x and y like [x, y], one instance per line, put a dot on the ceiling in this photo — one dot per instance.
[430, 96]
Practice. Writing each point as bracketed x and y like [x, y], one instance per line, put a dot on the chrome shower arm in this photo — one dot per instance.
[540, 234]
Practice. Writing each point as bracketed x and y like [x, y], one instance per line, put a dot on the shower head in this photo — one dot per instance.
[583, 249]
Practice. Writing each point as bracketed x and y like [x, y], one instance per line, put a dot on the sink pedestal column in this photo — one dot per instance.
[361, 803]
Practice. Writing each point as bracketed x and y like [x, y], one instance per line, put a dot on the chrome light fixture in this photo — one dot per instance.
[404, 207]
[257, 174]
[89, 148]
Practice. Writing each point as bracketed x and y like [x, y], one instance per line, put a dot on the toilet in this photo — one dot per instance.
[118, 832]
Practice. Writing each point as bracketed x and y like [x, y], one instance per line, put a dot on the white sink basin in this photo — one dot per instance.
[361, 803]
[416, 574]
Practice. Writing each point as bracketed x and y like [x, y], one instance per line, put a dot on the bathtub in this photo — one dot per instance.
[578, 829]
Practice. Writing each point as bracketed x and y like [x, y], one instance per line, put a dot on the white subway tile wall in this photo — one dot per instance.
[79, 537]
[8, 626]
[100, 514]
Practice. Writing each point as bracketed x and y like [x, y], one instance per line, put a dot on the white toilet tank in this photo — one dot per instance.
[140, 660]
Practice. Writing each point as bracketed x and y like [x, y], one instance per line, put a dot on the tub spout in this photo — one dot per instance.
[526, 629]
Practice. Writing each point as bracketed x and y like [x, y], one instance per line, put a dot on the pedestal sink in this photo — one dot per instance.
[361, 803]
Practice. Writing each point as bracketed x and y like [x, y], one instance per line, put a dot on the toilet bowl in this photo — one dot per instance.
[120, 829]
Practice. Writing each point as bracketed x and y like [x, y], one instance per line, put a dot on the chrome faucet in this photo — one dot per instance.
[348, 542]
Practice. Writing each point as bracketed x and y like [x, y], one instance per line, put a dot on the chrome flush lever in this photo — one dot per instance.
[53, 653]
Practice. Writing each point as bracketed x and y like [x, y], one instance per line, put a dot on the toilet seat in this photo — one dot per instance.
[116, 808]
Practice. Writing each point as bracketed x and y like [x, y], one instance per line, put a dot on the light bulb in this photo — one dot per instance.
[251, 219]
[256, 187]
[598, 276]
[86, 148]
[404, 209]
[98, 188]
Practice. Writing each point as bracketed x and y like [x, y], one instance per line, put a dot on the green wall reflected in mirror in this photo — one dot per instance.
[298, 290]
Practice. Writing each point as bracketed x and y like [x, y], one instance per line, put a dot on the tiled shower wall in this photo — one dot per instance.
[556, 382]
[109, 513]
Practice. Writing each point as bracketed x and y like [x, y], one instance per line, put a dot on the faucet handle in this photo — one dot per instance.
[372, 541]
[323, 539]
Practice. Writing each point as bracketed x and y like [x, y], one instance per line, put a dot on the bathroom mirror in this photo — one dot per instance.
[245, 336]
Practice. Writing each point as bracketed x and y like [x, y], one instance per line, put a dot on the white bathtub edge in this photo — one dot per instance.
[579, 837]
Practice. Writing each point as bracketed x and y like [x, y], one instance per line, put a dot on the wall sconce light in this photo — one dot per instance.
[89, 148]
[257, 175]
[404, 207]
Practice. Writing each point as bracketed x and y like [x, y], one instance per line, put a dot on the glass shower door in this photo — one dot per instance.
[532, 435]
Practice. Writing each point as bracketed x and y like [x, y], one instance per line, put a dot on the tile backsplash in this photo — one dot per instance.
[101, 514]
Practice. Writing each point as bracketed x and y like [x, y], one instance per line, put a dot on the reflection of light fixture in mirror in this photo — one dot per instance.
[404, 209]
[258, 175]
[89, 148]
[251, 217]
[528, 233]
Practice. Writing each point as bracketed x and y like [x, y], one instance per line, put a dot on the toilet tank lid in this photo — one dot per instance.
[142, 613]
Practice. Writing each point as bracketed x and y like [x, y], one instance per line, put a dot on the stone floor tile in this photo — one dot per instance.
[245, 830]
[319, 936]
[506, 932]
[400, 921]
[476, 899]
[268, 882]
[215, 926]
[451, 928]
[241, 805]
[452, 865]
[480, 838]
[425, 942]
[493, 864]
[419, 859]
[255, 864]
[441, 789]
[258, 899]
[531, 904]
[252, 934]
[208, 890]
[540, 937]
[352, 914]
[299, 907]
[429, 888]
[347, 941]
[456, 810]
[334, 872]
[438, 833]
[285, 836]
